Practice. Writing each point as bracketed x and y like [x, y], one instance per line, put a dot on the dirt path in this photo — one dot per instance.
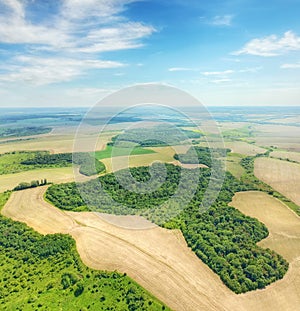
[159, 259]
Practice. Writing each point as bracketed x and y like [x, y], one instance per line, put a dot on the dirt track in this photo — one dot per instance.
[159, 259]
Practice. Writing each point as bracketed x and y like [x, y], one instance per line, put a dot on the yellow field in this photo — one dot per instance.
[163, 154]
[244, 148]
[59, 142]
[283, 176]
[294, 156]
[55, 175]
[283, 136]
[160, 260]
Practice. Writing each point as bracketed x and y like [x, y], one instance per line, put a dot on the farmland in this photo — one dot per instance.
[281, 175]
[286, 155]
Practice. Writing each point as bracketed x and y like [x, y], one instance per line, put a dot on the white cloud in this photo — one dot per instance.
[89, 92]
[290, 66]
[79, 28]
[180, 69]
[106, 9]
[271, 45]
[222, 20]
[15, 29]
[88, 18]
[218, 81]
[41, 71]
[251, 70]
[123, 36]
[217, 73]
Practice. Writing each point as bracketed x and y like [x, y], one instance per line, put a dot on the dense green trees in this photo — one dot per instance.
[202, 155]
[19, 161]
[161, 135]
[88, 164]
[23, 131]
[32, 184]
[221, 236]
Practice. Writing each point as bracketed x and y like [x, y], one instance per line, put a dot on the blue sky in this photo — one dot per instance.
[72, 52]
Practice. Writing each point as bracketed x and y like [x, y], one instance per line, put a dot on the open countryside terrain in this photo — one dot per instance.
[283, 176]
[185, 283]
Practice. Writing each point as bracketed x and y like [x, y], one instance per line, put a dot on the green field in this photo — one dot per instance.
[12, 162]
[233, 165]
[110, 151]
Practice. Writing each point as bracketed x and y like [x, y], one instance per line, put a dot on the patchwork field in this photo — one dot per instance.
[160, 260]
[281, 175]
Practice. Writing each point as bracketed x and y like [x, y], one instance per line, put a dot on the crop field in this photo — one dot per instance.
[244, 148]
[293, 156]
[58, 142]
[282, 136]
[162, 154]
[185, 283]
[55, 175]
[283, 176]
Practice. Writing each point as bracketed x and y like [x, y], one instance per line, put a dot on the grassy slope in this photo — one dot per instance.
[60, 281]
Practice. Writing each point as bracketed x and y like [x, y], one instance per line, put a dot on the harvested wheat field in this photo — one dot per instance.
[283, 176]
[244, 148]
[162, 154]
[55, 175]
[293, 156]
[59, 142]
[160, 260]
[283, 136]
